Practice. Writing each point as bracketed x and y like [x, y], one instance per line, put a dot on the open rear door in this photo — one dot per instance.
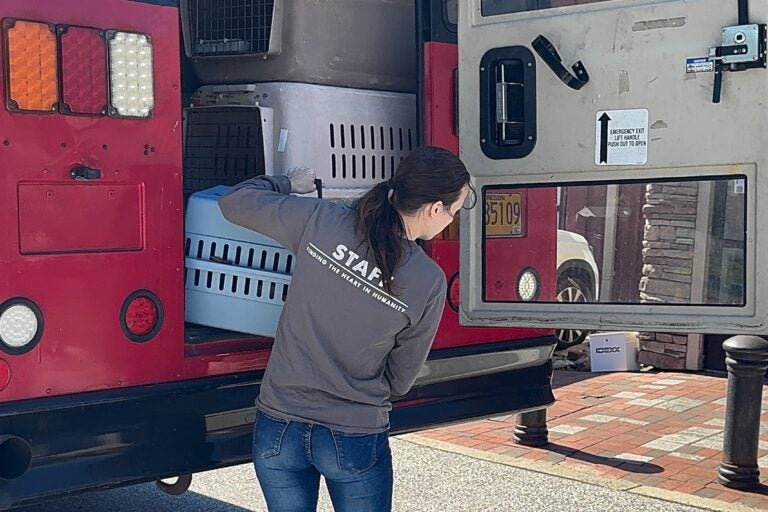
[643, 118]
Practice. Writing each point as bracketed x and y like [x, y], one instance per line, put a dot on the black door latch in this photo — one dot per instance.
[548, 53]
[743, 47]
[82, 173]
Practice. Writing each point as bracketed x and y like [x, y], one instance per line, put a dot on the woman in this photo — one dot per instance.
[357, 325]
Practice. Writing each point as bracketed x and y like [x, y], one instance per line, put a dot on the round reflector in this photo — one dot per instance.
[141, 315]
[528, 285]
[454, 292]
[21, 326]
[5, 374]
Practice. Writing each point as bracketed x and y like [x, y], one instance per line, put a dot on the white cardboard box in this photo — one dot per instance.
[613, 351]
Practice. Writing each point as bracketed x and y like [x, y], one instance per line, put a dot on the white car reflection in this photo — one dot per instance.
[577, 280]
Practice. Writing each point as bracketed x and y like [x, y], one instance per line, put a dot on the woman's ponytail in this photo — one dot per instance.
[427, 175]
[382, 227]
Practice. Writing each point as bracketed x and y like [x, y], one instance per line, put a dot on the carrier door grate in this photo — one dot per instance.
[230, 27]
[223, 146]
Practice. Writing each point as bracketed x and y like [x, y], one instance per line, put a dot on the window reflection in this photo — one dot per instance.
[661, 242]
[494, 7]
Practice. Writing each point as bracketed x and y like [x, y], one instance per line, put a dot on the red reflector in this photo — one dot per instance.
[83, 71]
[454, 292]
[5, 374]
[141, 316]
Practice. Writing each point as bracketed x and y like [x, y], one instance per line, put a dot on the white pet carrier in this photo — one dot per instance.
[353, 138]
[235, 278]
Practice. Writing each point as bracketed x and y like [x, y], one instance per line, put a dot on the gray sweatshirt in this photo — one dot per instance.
[343, 345]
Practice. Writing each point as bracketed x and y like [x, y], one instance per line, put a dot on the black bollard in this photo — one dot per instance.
[531, 428]
[747, 360]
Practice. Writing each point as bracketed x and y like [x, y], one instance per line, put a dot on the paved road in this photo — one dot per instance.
[426, 480]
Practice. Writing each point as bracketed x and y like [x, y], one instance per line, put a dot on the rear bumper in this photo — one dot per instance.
[114, 438]
[461, 384]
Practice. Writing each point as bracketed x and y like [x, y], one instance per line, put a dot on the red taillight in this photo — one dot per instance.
[142, 316]
[5, 374]
[83, 71]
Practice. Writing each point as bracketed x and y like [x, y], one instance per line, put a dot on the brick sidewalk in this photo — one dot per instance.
[661, 430]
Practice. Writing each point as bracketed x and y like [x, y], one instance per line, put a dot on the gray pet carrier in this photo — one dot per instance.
[367, 44]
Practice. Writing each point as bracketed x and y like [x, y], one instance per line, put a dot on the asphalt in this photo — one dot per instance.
[426, 479]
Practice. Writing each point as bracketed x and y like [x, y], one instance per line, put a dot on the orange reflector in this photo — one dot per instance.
[32, 66]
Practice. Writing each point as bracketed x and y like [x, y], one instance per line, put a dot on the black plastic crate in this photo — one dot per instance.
[222, 146]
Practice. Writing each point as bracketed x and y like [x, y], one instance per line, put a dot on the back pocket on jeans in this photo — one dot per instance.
[268, 435]
[357, 452]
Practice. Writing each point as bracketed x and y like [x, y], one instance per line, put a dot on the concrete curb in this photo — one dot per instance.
[584, 476]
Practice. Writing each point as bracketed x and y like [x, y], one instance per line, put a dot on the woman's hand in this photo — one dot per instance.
[302, 180]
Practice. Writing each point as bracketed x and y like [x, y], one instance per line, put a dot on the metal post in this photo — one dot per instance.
[531, 428]
[747, 360]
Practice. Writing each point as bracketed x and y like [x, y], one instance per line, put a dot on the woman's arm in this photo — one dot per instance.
[262, 204]
[413, 343]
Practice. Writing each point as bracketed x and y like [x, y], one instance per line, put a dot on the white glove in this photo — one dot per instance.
[302, 180]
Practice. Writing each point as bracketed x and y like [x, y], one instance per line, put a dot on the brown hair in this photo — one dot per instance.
[427, 175]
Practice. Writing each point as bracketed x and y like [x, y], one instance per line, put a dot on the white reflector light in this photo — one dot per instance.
[130, 75]
[18, 326]
[528, 286]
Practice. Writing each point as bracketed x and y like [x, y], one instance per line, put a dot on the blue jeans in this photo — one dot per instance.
[290, 456]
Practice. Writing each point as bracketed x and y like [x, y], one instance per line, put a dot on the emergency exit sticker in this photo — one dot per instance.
[621, 137]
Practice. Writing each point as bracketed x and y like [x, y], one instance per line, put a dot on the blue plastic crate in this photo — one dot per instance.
[235, 278]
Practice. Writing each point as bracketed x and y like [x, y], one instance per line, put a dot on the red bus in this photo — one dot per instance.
[102, 382]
